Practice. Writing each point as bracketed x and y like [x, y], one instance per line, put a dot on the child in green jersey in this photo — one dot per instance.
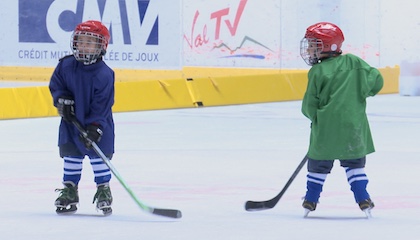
[335, 103]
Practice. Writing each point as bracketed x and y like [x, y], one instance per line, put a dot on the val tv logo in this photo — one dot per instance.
[52, 21]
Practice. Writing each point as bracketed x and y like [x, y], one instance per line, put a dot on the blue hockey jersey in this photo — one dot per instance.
[92, 88]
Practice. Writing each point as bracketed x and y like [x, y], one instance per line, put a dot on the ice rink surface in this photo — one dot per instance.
[207, 162]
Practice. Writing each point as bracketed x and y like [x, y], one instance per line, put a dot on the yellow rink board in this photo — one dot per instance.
[137, 90]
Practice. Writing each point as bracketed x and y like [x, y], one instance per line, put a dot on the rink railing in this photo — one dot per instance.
[137, 90]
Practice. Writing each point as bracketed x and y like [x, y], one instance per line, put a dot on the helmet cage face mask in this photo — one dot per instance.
[88, 47]
[310, 50]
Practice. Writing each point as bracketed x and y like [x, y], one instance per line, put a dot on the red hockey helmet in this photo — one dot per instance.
[321, 38]
[89, 41]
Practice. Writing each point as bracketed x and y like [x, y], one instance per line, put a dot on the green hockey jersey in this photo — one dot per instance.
[335, 102]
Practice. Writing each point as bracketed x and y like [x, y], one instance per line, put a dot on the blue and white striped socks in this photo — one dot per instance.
[358, 181]
[315, 182]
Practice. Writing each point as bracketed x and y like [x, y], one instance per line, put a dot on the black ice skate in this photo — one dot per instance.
[308, 206]
[68, 199]
[366, 205]
[103, 199]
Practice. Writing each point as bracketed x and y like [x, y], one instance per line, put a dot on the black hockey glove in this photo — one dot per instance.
[94, 134]
[65, 107]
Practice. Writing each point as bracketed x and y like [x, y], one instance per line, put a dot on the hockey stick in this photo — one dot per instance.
[172, 213]
[263, 205]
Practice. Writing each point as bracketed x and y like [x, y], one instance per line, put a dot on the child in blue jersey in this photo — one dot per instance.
[335, 103]
[82, 87]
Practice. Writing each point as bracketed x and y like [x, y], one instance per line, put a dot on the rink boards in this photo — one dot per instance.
[190, 87]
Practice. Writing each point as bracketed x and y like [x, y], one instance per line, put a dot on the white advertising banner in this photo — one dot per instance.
[144, 33]
[234, 33]
[170, 34]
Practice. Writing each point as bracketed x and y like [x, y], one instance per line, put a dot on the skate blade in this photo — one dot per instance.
[106, 211]
[306, 213]
[368, 213]
[105, 208]
[67, 210]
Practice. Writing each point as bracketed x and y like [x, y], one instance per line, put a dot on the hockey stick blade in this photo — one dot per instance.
[171, 213]
[264, 205]
[259, 206]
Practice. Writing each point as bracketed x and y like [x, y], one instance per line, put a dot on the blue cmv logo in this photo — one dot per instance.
[129, 21]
